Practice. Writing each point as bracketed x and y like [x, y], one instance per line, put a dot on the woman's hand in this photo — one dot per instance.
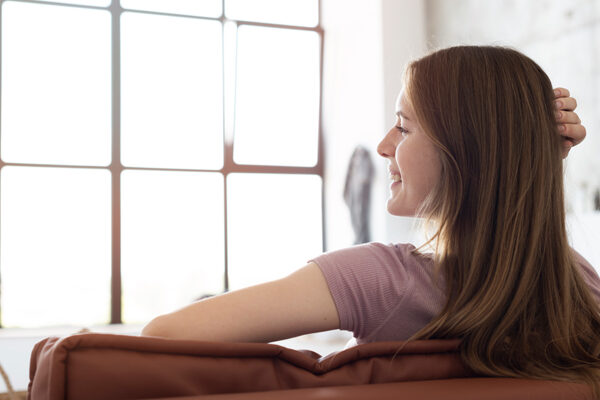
[570, 127]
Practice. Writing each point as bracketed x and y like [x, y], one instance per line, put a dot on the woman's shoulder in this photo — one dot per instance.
[378, 253]
[369, 281]
[381, 264]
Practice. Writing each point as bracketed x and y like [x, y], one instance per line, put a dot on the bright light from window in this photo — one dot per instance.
[98, 3]
[274, 225]
[206, 8]
[172, 240]
[172, 92]
[56, 223]
[55, 84]
[277, 97]
[285, 12]
[55, 248]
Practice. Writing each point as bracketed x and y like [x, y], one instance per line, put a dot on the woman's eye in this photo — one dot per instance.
[401, 129]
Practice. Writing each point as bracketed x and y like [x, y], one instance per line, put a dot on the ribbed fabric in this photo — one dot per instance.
[384, 292]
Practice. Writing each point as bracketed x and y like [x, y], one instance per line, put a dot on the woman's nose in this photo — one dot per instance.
[386, 147]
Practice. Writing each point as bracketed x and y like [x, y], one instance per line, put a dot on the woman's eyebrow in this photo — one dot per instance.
[400, 113]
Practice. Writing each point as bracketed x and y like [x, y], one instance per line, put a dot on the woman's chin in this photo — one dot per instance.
[400, 210]
[396, 211]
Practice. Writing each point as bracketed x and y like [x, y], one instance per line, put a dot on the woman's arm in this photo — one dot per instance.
[298, 304]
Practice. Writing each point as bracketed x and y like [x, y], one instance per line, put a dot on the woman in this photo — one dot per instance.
[476, 151]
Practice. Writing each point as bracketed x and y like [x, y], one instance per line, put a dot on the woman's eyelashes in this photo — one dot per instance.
[401, 129]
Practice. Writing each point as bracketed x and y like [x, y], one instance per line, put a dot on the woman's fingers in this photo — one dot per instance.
[567, 117]
[561, 92]
[569, 126]
[575, 133]
[565, 103]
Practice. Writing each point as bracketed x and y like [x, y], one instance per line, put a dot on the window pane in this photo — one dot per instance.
[55, 249]
[172, 92]
[205, 8]
[99, 3]
[274, 225]
[277, 98]
[285, 12]
[55, 84]
[173, 240]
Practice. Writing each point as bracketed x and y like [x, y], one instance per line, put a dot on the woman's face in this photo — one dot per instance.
[414, 164]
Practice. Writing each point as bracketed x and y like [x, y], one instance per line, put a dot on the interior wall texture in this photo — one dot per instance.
[563, 37]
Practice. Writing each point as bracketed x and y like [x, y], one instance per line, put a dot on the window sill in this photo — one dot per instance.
[120, 329]
[324, 341]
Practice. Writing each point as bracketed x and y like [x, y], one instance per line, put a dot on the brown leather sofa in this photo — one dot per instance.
[101, 366]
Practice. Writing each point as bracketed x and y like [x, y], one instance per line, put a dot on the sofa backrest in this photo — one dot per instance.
[103, 366]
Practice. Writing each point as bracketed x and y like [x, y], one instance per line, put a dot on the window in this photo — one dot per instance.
[153, 152]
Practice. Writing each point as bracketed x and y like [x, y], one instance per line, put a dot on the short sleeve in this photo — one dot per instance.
[366, 282]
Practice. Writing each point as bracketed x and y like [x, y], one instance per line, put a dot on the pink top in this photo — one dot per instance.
[383, 292]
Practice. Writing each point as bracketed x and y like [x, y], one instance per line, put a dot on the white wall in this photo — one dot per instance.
[404, 39]
[367, 44]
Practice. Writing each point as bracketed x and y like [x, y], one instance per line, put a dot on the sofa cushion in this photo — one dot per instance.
[103, 366]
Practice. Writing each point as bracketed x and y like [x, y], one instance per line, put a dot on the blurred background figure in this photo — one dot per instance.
[357, 193]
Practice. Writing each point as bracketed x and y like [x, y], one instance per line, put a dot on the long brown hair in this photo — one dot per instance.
[514, 292]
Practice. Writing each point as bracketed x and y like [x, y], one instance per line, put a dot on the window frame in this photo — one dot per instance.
[229, 165]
